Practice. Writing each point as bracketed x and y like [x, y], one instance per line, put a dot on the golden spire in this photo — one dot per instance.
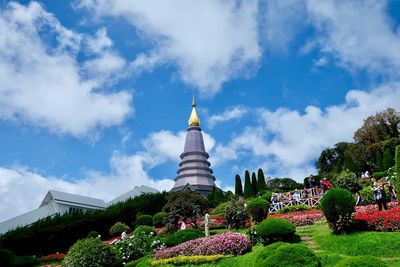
[194, 119]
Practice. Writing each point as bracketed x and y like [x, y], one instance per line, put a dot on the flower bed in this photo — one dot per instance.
[300, 218]
[52, 258]
[224, 244]
[370, 208]
[388, 220]
[215, 220]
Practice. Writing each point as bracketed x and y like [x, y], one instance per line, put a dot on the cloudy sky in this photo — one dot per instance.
[95, 94]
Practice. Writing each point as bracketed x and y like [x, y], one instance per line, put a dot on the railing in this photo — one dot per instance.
[309, 197]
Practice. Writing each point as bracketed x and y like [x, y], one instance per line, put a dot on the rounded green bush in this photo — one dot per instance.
[144, 229]
[118, 228]
[91, 252]
[338, 205]
[361, 261]
[159, 219]
[6, 257]
[182, 236]
[93, 234]
[144, 220]
[284, 254]
[273, 230]
[258, 209]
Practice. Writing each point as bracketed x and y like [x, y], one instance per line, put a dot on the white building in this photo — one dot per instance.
[56, 202]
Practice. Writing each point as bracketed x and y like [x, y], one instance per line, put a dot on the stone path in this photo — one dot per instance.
[305, 234]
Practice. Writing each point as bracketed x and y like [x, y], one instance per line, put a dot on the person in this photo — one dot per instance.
[296, 197]
[275, 201]
[328, 183]
[323, 186]
[392, 192]
[360, 201]
[379, 195]
[183, 225]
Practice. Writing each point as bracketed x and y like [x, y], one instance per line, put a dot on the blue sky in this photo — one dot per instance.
[95, 95]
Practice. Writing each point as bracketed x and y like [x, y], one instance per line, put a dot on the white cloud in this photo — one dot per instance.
[234, 113]
[41, 83]
[210, 41]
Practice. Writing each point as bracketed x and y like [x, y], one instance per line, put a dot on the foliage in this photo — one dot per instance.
[215, 197]
[144, 229]
[182, 236]
[136, 246]
[274, 230]
[182, 260]
[295, 208]
[226, 244]
[332, 159]
[144, 219]
[266, 195]
[362, 261]
[379, 175]
[338, 205]
[258, 209]
[388, 220]
[6, 257]
[348, 180]
[284, 254]
[57, 257]
[367, 195]
[236, 214]
[92, 234]
[62, 231]
[159, 219]
[118, 228]
[184, 205]
[254, 183]
[388, 160]
[261, 184]
[91, 252]
[397, 158]
[283, 185]
[220, 209]
[248, 188]
[238, 186]
[301, 218]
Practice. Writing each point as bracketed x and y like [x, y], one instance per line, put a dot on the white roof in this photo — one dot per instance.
[73, 200]
[136, 191]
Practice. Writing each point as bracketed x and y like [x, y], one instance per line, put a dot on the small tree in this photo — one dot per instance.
[348, 180]
[258, 209]
[248, 189]
[254, 183]
[184, 205]
[261, 185]
[118, 228]
[238, 186]
[236, 214]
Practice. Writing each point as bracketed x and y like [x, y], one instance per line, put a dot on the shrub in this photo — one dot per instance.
[159, 219]
[273, 230]
[183, 260]
[283, 254]
[6, 257]
[144, 220]
[91, 252]
[361, 261]
[220, 209]
[379, 175]
[294, 209]
[258, 209]
[144, 229]
[118, 228]
[348, 180]
[93, 234]
[226, 244]
[182, 236]
[266, 195]
[236, 214]
[25, 261]
[338, 205]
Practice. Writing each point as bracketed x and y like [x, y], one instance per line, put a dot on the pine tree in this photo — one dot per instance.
[254, 183]
[238, 185]
[387, 159]
[397, 158]
[248, 189]
[379, 160]
[261, 185]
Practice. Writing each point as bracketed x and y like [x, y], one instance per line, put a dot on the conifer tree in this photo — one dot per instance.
[238, 185]
[254, 183]
[261, 185]
[387, 159]
[397, 158]
[248, 189]
[379, 160]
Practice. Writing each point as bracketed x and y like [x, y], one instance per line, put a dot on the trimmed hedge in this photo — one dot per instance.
[183, 260]
[159, 219]
[144, 220]
[258, 209]
[182, 236]
[144, 229]
[361, 261]
[118, 228]
[274, 230]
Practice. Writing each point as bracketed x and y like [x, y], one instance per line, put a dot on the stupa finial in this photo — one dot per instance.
[194, 119]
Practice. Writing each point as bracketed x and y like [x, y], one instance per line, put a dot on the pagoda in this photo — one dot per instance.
[194, 171]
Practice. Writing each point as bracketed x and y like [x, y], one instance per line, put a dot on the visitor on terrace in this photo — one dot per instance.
[275, 200]
[392, 192]
[325, 185]
[359, 201]
[296, 197]
[379, 195]
[311, 185]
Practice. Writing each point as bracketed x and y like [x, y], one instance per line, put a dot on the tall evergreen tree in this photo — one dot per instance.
[397, 158]
[238, 185]
[254, 183]
[379, 160]
[261, 185]
[248, 189]
[387, 159]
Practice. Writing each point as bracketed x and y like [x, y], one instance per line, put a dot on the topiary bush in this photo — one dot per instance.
[159, 219]
[258, 209]
[91, 252]
[144, 220]
[182, 236]
[284, 254]
[93, 234]
[361, 261]
[144, 229]
[118, 228]
[274, 230]
[338, 205]
[236, 214]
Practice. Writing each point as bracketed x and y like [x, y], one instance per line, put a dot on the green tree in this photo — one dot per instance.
[379, 160]
[261, 185]
[387, 159]
[248, 189]
[238, 185]
[215, 197]
[236, 214]
[397, 157]
[348, 180]
[254, 183]
[283, 185]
